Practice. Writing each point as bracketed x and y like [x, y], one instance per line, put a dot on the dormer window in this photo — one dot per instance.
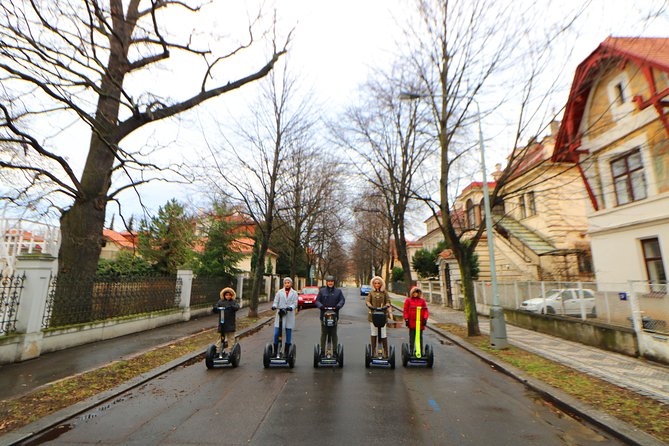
[620, 93]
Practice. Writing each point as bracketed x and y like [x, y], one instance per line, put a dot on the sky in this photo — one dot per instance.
[334, 48]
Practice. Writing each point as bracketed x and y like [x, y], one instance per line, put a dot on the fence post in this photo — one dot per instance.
[515, 294]
[30, 313]
[240, 287]
[186, 276]
[429, 287]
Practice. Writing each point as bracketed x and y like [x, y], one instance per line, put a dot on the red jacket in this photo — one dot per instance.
[411, 305]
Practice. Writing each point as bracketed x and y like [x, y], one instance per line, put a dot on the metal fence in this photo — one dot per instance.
[603, 302]
[653, 305]
[205, 290]
[76, 300]
[432, 291]
[10, 296]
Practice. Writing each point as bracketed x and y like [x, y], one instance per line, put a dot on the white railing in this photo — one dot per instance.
[19, 237]
[602, 302]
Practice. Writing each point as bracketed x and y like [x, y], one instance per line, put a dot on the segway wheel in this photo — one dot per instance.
[292, 353]
[392, 357]
[317, 355]
[405, 354]
[340, 355]
[430, 356]
[368, 356]
[236, 355]
[267, 354]
[209, 357]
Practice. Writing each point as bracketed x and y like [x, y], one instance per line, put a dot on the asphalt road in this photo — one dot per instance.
[461, 401]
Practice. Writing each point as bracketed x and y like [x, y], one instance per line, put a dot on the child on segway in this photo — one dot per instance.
[415, 318]
[378, 298]
[226, 307]
[227, 302]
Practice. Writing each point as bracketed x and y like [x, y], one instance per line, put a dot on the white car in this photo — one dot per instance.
[564, 301]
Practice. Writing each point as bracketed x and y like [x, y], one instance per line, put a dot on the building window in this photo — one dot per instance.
[531, 204]
[521, 206]
[628, 179]
[653, 259]
[471, 214]
[584, 262]
[620, 93]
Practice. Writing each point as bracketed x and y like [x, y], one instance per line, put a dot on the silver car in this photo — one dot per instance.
[563, 301]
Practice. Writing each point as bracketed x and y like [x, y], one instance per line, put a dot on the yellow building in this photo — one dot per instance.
[616, 129]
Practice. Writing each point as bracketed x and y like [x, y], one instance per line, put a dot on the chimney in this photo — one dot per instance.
[555, 127]
[498, 172]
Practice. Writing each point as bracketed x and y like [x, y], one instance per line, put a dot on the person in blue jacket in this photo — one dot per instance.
[329, 296]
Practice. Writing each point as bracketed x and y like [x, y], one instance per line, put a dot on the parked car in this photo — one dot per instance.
[365, 289]
[307, 297]
[562, 301]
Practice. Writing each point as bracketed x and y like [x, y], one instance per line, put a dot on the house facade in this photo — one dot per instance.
[540, 224]
[616, 130]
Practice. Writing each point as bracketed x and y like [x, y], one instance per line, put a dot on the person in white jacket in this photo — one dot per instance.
[285, 300]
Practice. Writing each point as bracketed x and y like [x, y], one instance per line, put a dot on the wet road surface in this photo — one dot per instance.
[461, 401]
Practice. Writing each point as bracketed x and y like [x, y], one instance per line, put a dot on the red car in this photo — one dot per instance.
[307, 297]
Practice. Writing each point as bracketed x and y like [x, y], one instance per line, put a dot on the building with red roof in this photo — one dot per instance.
[616, 131]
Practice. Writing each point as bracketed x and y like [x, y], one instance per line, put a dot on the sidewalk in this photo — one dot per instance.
[637, 375]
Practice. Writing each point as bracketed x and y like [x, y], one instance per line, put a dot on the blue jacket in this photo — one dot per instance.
[330, 297]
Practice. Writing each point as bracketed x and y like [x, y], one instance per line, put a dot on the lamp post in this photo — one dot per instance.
[498, 338]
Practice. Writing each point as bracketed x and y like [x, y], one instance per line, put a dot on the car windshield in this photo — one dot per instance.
[310, 291]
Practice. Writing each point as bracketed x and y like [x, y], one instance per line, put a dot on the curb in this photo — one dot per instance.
[564, 401]
[37, 427]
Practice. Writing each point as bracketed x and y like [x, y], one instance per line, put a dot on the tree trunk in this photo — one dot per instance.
[81, 229]
[258, 276]
[468, 286]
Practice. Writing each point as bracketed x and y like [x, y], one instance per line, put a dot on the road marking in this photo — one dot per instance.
[434, 405]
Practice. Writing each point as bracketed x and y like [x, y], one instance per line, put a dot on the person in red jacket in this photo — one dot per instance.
[411, 305]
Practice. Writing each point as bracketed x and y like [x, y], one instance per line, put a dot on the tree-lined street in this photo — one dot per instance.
[461, 401]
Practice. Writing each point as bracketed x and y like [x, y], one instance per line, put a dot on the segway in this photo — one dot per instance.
[329, 357]
[419, 356]
[214, 358]
[279, 358]
[377, 358]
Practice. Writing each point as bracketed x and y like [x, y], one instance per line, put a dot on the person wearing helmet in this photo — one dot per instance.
[286, 301]
[379, 298]
[329, 297]
[411, 305]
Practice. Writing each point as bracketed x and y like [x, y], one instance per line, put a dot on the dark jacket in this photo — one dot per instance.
[329, 297]
[230, 309]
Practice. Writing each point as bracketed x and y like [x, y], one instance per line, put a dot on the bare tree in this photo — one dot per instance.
[73, 63]
[257, 174]
[309, 183]
[372, 232]
[386, 134]
[463, 53]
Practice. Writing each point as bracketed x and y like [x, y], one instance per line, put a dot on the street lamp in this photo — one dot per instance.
[498, 338]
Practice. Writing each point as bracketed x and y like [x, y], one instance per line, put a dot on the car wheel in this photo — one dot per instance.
[593, 312]
[550, 310]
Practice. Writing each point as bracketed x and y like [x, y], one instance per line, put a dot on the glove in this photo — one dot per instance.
[289, 308]
[273, 308]
[282, 312]
[406, 322]
[424, 322]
